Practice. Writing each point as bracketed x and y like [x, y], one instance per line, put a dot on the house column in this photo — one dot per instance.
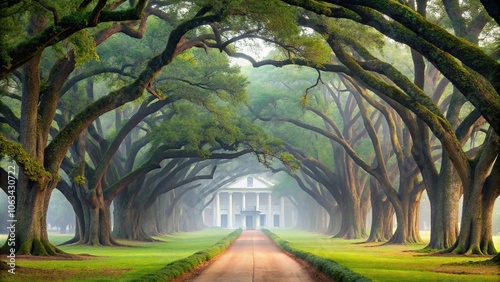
[217, 210]
[230, 211]
[243, 216]
[257, 220]
[282, 212]
[270, 217]
[203, 216]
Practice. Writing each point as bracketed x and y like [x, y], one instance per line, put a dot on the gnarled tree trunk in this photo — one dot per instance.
[382, 214]
[475, 235]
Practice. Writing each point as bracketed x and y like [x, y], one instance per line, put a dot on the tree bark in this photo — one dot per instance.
[382, 214]
[444, 198]
[352, 226]
[475, 236]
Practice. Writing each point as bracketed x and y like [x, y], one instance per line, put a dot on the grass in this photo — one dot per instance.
[329, 267]
[177, 268]
[112, 263]
[391, 263]
[380, 263]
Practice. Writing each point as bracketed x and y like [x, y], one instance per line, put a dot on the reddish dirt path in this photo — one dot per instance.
[254, 257]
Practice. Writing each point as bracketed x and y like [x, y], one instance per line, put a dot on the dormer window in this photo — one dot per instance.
[249, 182]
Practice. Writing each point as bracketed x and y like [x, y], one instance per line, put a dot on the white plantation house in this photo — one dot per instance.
[248, 203]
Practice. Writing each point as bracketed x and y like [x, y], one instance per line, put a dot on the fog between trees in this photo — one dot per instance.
[134, 113]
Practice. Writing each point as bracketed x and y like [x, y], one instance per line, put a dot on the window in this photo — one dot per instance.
[250, 182]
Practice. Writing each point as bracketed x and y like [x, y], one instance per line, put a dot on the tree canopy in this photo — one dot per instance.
[366, 104]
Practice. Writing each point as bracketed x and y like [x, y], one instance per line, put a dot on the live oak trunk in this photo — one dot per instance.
[31, 236]
[126, 218]
[148, 223]
[334, 220]
[407, 210]
[475, 236]
[35, 126]
[352, 225]
[382, 214]
[32, 196]
[94, 223]
[444, 199]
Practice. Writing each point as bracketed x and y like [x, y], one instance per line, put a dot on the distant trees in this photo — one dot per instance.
[451, 120]
[38, 155]
[419, 114]
[60, 214]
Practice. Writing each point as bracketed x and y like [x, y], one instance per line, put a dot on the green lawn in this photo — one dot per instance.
[391, 263]
[112, 263]
[380, 263]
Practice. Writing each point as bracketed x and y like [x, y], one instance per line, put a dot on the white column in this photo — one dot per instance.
[257, 220]
[243, 216]
[217, 210]
[230, 211]
[270, 217]
[203, 216]
[214, 215]
[282, 212]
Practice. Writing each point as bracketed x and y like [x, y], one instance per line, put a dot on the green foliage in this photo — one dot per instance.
[201, 77]
[84, 47]
[289, 161]
[179, 267]
[4, 54]
[184, 128]
[211, 92]
[274, 18]
[192, 127]
[80, 179]
[12, 31]
[348, 30]
[278, 93]
[15, 19]
[327, 266]
[305, 45]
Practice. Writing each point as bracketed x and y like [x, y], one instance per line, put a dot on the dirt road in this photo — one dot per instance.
[253, 257]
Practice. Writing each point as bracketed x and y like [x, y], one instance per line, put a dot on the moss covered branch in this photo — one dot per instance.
[33, 169]
[57, 149]
[67, 26]
[441, 48]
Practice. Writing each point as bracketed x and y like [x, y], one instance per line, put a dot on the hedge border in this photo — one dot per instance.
[329, 267]
[177, 268]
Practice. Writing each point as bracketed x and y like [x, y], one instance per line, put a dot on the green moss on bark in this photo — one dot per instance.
[33, 169]
[39, 248]
[25, 248]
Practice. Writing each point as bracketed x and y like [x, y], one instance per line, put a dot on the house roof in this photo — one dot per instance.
[256, 182]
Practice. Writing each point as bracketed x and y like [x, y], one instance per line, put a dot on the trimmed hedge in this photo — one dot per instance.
[179, 267]
[329, 267]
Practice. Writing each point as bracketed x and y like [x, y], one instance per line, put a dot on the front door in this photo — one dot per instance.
[249, 222]
[223, 220]
[276, 220]
[263, 220]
